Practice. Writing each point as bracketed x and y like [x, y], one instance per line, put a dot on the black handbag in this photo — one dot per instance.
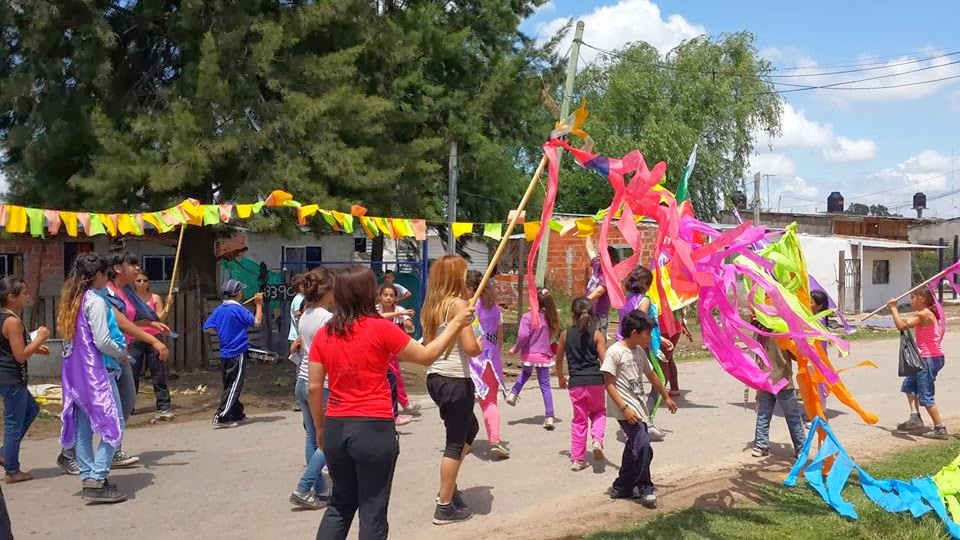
[910, 362]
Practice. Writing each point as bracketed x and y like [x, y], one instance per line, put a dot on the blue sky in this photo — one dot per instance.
[874, 146]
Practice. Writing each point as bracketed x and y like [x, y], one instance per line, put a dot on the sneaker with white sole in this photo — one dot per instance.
[122, 460]
[938, 432]
[499, 450]
[412, 409]
[655, 434]
[446, 514]
[68, 465]
[548, 424]
[402, 420]
[578, 465]
[760, 451]
[512, 399]
[598, 451]
[307, 500]
[649, 500]
[100, 492]
[912, 424]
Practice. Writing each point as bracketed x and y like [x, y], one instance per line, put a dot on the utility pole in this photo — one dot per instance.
[452, 174]
[756, 199]
[564, 112]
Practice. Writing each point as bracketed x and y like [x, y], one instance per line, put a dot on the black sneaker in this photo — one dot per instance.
[446, 514]
[122, 460]
[617, 494]
[101, 492]
[68, 465]
[457, 499]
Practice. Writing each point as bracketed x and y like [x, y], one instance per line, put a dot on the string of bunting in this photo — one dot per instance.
[40, 222]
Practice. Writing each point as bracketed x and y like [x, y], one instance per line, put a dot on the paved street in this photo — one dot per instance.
[199, 483]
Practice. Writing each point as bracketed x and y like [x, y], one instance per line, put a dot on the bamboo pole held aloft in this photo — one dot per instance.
[939, 275]
[504, 240]
[176, 260]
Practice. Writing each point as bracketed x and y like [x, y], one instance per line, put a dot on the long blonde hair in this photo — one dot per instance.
[85, 270]
[447, 282]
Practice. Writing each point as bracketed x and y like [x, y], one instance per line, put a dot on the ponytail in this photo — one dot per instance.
[582, 311]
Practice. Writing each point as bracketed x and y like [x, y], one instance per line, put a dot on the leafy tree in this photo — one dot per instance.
[130, 105]
[858, 209]
[712, 92]
[879, 210]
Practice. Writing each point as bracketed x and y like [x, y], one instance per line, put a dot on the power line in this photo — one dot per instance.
[925, 180]
[839, 85]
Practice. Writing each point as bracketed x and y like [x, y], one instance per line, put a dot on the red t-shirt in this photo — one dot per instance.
[356, 367]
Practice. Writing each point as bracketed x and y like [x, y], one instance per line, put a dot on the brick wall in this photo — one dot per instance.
[42, 259]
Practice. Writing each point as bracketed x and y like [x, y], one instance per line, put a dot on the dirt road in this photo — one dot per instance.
[199, 483]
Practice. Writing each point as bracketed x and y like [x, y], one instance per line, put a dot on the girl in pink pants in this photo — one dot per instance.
[583, 346]
[486, 370]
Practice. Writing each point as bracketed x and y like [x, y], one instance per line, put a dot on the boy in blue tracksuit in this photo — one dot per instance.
[230, 322]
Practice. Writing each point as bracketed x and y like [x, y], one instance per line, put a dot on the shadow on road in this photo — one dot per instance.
[906, 436]
[777, 411]
[152, 458]
[534, 420]
[262, 419]
[479, 499]
[133, 483]
[48, 472]
[481, 450]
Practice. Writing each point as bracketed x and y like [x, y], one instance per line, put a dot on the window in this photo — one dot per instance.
[158, 267]
[300, 259]
[359, 245]
[881, 272]
[11, 264]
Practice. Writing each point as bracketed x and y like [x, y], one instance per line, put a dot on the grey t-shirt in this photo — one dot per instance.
[628, 367]
[311, 321]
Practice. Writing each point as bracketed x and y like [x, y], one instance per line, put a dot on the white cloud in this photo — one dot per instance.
[953, 101]
[798, 131]
[611, 27]
[548, 7]
[771, 163]
[927, 172]
[851, 150]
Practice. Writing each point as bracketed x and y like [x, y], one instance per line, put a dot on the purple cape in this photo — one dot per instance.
[489, 318]
[86, 384]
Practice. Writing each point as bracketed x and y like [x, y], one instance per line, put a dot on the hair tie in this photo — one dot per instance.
[544, 292]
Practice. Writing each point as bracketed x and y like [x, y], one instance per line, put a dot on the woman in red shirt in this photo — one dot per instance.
[356, 428]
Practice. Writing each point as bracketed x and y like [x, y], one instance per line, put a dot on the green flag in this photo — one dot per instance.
[682, 189]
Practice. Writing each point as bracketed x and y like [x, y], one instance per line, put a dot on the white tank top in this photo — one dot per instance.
[457, 364]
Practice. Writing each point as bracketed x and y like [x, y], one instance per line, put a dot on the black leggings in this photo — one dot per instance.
[361, 456]
[455, 398]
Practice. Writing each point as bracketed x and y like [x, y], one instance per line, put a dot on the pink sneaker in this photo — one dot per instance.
[403, 420]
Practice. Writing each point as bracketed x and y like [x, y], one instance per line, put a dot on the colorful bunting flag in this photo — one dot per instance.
[493, 230]
[35, 217]
[460, 229]
[16, 219]
[530, 230]
[69, 223]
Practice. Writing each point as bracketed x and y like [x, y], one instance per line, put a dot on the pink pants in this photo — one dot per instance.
[402, 397]
[488, 405]
[589, 404]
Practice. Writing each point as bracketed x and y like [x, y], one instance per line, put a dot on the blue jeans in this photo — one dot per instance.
[312, 477]
[96, 466]
[787, 398]
[922, 384]
[19, 410]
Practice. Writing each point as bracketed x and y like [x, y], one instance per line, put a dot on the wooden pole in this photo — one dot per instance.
[938, 275]
[176, 260]
[492, 265]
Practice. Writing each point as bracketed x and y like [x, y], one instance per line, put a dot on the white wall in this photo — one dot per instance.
[876, 295]
[821, 255]
[268, 248]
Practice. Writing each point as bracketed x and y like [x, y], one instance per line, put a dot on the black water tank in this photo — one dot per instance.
[835, 203]
[739, 200]
[919, 200]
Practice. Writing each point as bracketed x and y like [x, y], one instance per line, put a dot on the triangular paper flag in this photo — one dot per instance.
[211, 214]
[3, 215]
[109, 221]
[493, 230]
[555, 226]
[226, 212]
[140, 222]
[277, 198]
[53, 221]
[69, 222]
[345, 220]
[406, 226]
[127, 225]
[384, 226]
[585, 227]
[328, 217]
[173, 217]
[358, 211]
[257, 207]
[369, 226]
[16, 219]
[460, 229]
[35, 217]
[96, 226]
[192, 208]
[306, 211]
[154, 219]
[530, 230]
[419, 229]
[244, 210]
[84, 219]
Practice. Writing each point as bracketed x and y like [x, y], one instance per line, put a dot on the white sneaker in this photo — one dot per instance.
[598, 451]
[655, 434]
[413, 409]
[649, 500]
[512, 399]
[548, 424]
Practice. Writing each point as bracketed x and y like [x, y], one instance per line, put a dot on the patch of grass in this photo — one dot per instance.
[867, 333]
[799, 513]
